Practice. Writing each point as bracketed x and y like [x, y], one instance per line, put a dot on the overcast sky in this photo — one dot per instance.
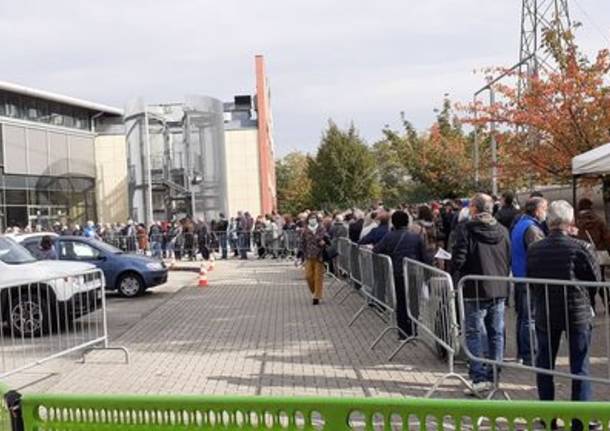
[359, 61]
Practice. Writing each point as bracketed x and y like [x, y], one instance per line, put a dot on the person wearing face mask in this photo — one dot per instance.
[314, 240]
[528, 230]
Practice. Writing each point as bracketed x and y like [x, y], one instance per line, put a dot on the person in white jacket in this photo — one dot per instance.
[370, 223]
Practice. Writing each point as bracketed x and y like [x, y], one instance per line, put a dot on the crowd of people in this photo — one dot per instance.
[482, 236]
[271, 235]
[488, 237]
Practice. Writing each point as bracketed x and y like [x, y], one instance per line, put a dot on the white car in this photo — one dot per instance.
[42, 296]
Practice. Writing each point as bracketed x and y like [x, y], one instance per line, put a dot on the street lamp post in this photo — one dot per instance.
[494, 146]
[149, 214]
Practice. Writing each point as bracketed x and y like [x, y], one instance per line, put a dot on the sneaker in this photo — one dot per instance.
[316, 301]
[478, 389]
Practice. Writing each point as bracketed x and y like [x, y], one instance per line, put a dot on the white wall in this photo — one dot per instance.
[111, 179]
[243, 174]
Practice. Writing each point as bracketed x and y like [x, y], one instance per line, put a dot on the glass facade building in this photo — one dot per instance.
[47, 157]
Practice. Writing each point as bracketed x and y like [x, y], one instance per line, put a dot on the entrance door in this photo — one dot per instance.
[45, 216]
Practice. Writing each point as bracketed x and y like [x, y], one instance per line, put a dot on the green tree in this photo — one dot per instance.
[293, 183]
[393, 175]
[440, 160]
[343, 172]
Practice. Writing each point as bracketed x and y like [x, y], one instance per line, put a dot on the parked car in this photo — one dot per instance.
[37, 297]
[129, 274]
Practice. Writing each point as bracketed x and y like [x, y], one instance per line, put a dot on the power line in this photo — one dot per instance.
[593, 22]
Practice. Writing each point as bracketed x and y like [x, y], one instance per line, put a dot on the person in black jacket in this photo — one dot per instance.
[507, 213]
[562, 257]
[398, 244]
[482, 247]
[221, 228]
[355, 226]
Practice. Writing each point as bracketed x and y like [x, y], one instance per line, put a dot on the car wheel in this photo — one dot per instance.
[29, 316]
[130, 285]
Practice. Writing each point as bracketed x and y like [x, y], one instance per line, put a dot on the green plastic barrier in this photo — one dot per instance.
[135, 413]
[5, 416]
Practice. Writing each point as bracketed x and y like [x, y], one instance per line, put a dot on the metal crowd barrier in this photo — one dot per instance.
[284, 244]
[549, 309]
[355, 276]
[431, 306]
[343, 262]
[367, 281]
[45, 319]
[125, 243]
[29, 412]
[220, 242]
[185, 244]
[378, 291]
[292, 242]
[271, 242]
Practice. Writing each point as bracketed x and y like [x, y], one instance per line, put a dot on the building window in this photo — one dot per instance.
[66, 113]
[16, 197]
[55, 116]
[13, 106]
[41, 111]
[44, 200]
[42, 107]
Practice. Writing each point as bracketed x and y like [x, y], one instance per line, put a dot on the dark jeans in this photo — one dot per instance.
[204, 250]
[525, 323]
[244, 244]
[222, 243]
[155, 247]
[482, 316]
[402, 317]
[580, 348]
[234, 246]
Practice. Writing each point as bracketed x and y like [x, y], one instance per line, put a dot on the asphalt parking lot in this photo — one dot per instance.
[123, 313]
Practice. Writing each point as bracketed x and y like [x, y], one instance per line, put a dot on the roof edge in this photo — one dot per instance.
[47, 95]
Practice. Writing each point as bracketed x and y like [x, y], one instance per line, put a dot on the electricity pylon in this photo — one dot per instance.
[538, 16]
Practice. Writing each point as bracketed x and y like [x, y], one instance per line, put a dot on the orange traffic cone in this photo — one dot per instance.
[203, 277]
[212, 263]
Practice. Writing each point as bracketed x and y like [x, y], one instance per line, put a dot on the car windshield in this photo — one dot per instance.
[12, 253]
[107, 248]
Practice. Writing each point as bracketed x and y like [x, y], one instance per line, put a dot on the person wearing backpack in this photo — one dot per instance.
[425, 227]
[399, 243]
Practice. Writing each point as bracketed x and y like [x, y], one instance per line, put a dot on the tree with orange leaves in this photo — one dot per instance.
[440, 160]
[562, 113]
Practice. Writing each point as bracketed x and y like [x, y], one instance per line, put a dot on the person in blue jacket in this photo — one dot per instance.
[376, 235]
[527, 230]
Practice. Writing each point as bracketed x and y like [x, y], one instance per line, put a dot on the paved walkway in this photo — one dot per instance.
[254, 331]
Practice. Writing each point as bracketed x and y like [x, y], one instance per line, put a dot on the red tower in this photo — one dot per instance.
[265, 138]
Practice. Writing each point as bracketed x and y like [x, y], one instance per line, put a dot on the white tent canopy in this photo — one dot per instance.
[593, 162]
